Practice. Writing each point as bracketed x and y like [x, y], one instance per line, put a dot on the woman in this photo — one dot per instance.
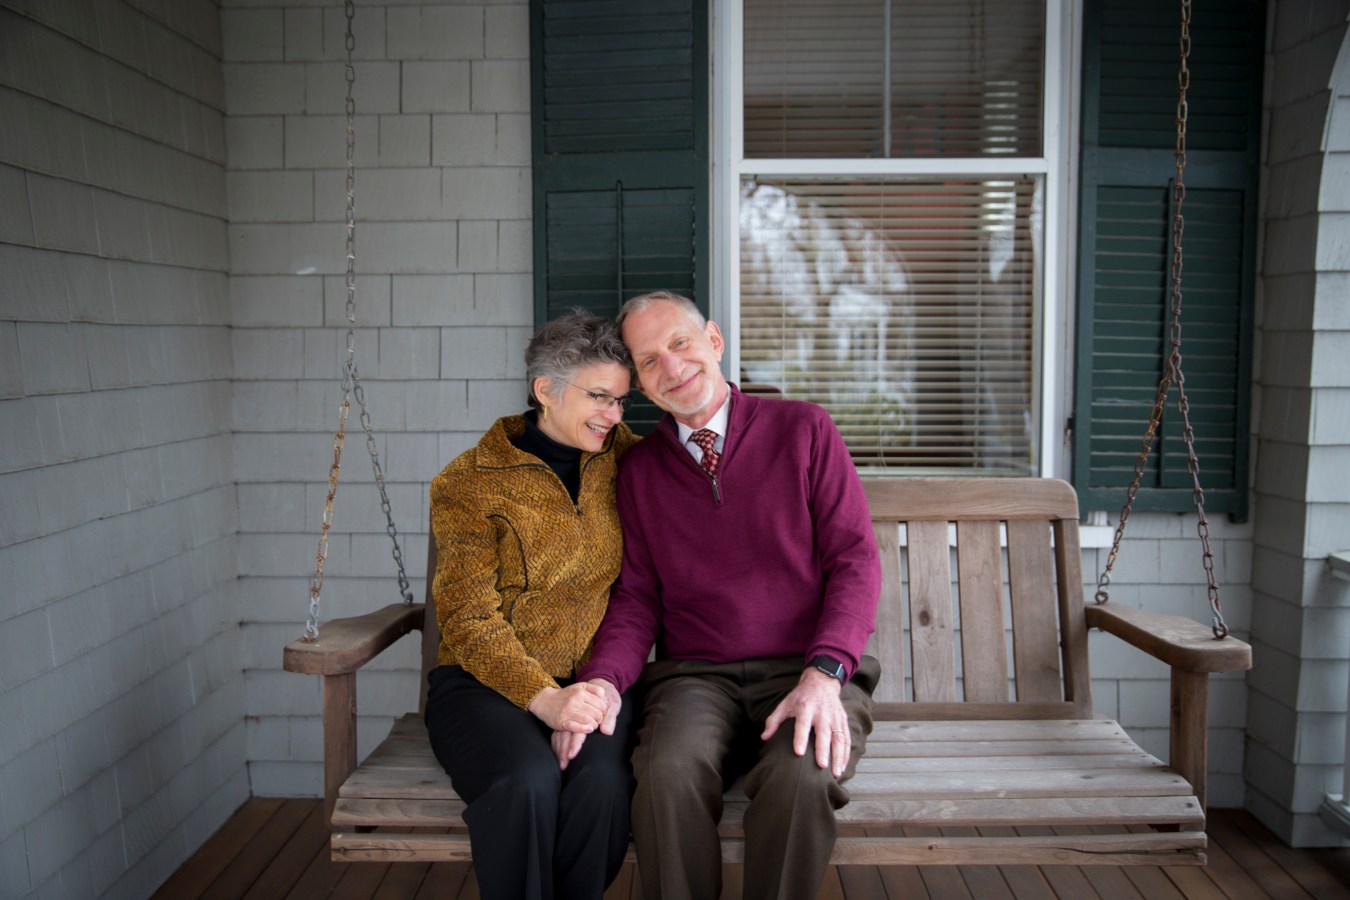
[528, 544]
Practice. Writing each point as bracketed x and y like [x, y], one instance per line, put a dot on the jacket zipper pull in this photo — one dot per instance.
[717, 491]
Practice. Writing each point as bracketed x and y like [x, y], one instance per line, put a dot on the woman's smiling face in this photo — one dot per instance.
[575, 417]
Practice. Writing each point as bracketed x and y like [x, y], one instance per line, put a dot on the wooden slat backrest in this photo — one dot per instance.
[984, 649]
[911, 521]
[1031, 584]
[933, 655]
[1073, 616]
[887, 642]
[1041, 606]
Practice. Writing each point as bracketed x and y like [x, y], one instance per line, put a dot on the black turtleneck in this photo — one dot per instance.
[565, 461]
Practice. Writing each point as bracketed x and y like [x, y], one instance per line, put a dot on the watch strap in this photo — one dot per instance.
[830, 666]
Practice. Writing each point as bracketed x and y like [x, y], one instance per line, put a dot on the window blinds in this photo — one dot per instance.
[903, 307]
[893, 78]
[902, 303]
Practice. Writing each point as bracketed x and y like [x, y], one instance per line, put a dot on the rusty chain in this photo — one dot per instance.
[1173, 374]
[351, 380]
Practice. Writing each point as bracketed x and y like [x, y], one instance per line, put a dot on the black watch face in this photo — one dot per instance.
[831, 667]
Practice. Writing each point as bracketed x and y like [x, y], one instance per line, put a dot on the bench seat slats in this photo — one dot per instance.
[959, 766]
[965, 783]
[1161, 782]
[1016, 762]
[861, 812]
[1073, 850]
[1186, 848]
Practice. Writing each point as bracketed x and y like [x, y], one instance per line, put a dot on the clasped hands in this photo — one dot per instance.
[579, 709]
[574, 712]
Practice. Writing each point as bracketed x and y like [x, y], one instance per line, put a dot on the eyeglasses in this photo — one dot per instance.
[603, 402]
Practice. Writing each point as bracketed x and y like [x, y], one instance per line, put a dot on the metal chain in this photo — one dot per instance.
[1173, 374]
[351, 381]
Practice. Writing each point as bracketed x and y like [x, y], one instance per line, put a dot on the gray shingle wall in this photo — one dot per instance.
[171, 335]
[1301, 615]
[444, 308]
[121, 690]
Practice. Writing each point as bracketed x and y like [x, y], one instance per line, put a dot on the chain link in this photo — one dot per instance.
[351, 380]
[1173, 374]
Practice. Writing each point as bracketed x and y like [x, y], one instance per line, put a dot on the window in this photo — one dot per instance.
[889, 173]
[889, 229]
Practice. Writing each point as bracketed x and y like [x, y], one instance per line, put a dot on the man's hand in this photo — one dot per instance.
[567, 744]
[611, 693]
[815, 704]
[579, 708]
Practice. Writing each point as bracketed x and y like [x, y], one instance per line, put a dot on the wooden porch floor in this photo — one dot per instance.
[272, 848]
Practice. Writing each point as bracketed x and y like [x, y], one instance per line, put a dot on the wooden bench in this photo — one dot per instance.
[986, 749]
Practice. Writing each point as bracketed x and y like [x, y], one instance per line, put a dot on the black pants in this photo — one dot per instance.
[536, 831]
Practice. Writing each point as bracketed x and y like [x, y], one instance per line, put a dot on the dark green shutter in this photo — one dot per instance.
[619, 112]
[1130, 59]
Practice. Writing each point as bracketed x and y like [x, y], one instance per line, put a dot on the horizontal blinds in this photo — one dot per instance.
[949, 78]
[905, 308]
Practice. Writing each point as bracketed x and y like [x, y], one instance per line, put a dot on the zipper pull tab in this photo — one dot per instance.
[717, 491]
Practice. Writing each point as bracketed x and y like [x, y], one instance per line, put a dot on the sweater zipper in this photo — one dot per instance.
[717, 491]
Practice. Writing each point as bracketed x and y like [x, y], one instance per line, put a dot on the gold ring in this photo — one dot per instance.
[839, 731]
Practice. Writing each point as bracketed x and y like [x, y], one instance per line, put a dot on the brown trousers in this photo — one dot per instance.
[701, 728]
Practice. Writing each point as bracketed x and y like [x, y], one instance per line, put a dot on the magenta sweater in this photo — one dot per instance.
[784, 565]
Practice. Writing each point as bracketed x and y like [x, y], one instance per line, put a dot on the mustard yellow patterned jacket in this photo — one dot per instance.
[523, 575]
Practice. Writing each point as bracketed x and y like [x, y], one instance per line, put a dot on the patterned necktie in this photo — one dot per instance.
[705, 437]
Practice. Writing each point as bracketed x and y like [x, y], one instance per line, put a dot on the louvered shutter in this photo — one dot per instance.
[1130, 51]
[619, 113]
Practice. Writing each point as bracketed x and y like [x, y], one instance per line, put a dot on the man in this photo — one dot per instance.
[749, 560]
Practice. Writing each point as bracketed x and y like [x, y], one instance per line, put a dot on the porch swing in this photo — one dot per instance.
[956, 771]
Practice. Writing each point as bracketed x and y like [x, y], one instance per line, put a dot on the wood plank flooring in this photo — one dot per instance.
[272, 848]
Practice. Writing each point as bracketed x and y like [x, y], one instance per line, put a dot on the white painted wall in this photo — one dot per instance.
[121, 693]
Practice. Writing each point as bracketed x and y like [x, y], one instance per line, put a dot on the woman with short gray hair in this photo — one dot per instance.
[528, 545]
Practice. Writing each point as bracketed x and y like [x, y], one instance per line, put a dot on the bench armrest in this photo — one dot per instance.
[1180, 642]
[1192, 651]
[345, 645]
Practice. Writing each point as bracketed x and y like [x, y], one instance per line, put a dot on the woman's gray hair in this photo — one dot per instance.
[567, 344]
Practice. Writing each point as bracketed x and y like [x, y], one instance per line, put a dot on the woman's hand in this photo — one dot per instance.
[578, 708]
[566, 746]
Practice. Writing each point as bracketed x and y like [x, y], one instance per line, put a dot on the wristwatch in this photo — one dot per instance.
[829, 665]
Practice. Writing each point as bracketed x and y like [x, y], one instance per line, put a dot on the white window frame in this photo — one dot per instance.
[1053, 339]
